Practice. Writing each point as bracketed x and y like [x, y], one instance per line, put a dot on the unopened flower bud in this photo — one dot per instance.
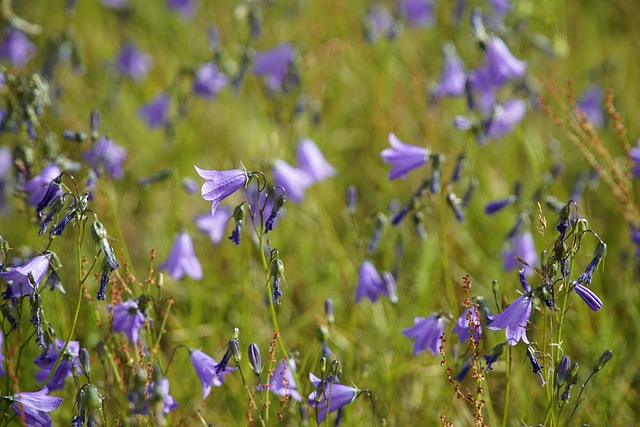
[328, 310]
[602, 360]
[563, 370]
[85, 362]
[255, 360]
[98, 232]
[303, 413]
[601, 250]
[352, 199]
[582, 225]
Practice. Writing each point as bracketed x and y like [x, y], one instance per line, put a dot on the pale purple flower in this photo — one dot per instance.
[634, 154]
[311, 161]
[33, 407]
[214, 225]
[274, 65]
[379, 22]
[133, 63]
[205, 367]
[505, 117]
[105, 155]
[370, 283]
[591, 104]
[18, 277]
[418, 13]
[16, 48]
[208, 81]
[334, 394]
[484, 89]
[514, 319]
[38, 185]
[588, 296]
[221, 184]
[295, 181]
[453, 78]
[403, 157]
[128, 318]
[282, 382]
[463, 325]
[520, 246]
[500, 7]
[462, 122]
[154, 113]
[427, 332]
[156, 391]
[185, 8]
[502, 64]
[46, 361]
[182, 259]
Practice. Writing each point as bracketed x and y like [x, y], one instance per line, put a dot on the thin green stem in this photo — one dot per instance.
[507, 386]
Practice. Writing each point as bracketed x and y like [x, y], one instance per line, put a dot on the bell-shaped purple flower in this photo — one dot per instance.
[520, 246]
[502, 64]
[38, 185]
[294, 180]
[205, 367]
[403, 157]
[418, 13]
[47, 360]
[453, 79]
[370, 283]
[468, 318]
[16, 48]
[18, 277]
[133, 63]
[157, 391]
[208, 81]
[505, 117]
[185, 8]
[214, 225]
[514, 319]
[154, 113]
[105, 155]
[483, 95]
[33, 407]
[427, 332]
[330, 393]
[588, 296]
[182, 259]
[591, 104]
[282, 382]
[221, 184]
[274, 65]
[311, 161]
[379, 22]
[128, 318]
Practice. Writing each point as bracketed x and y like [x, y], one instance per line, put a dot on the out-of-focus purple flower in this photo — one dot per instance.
[462, 122]
[128, 318]
[591, 104]
[330, 393]
[453, 79]
[185, 8]
[182, 259]
[33, 407]
[370, 282]
[468, 318]
[483, 95]
[16, 48]
[114, 4]
[514, 319]
[221, 184]
[634, 154]
[294, 180]
[505, 117]
[427, 332]
[274, 65]
[520, 246]
[418, 13]
[208, 81]
[47, 360]
[38, 185]
[500, 7]
[18, 277]
[498, 205]
[588, 296]
[154, 112]
[214, 225]
[379, 22]
[105, 155]
[3, 373]
[6, 163]
[311, 161]
[502, 64]
[282, 382]
[205, 367]
[403, 157]
[157, 391]
[133, 63]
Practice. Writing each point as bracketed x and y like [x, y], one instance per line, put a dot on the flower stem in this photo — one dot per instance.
[507, 376]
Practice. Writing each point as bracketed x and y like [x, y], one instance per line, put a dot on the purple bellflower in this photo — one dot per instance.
[502, 64]
[33, 407]
[330, 393]
[16, 48]
[221, 184]
[107, 156]
[185, 8]
[378, 23]
[591, 104]
[453, 79]
[483, 96]
[588, 296]
[274, 65]
[311, 161]
[505, 117]
[418, 13]
[155, 112]
[182, 259]
[282, 382]
[403, 157]
[157, 391]
[214, 225]
[371, 284]
[427, 332]
[294, 180]
[205, 367]
[634, 154]
[133, 63]
[18, 277]
[128, 318]
[38, 185]
[208, 81]
[463, 325]
[520, 246]
[514, 319]
[47, 360]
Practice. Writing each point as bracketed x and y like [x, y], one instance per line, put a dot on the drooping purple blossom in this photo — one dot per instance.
[274, 65]
[403, 157]
[588, 296]
[482, 97]
[453, 78]
[514, 319]
[282, 382]
[502, 64]
[311, 160]
[16, 48]
[370, 283]
[133, 63]
[591, 104]
[294, 180]
[205, 367]
[505, 117]
[214, 225]
[221, 184]
[38, 185]
[157, 391]
[330, 393]
[154, 113]
[418, 13]
[47, 360]
[427, 333]
[128, 318]
[185, 8]
[468, 318]
[535, 365]
[18, 277]
[378, 23]
[520, 246]
[105, 155]
[208, 81]
[182, 259]
[497, 205]
[33, 407]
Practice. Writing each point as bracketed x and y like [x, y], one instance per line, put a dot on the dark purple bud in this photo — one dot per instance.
[563, 370]
[498, 205]
[455, 204]
[329, 311]
[602, 360]
[352, 199]
[85, 362]
[95, 123]
[255, 360]
[457, 170]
